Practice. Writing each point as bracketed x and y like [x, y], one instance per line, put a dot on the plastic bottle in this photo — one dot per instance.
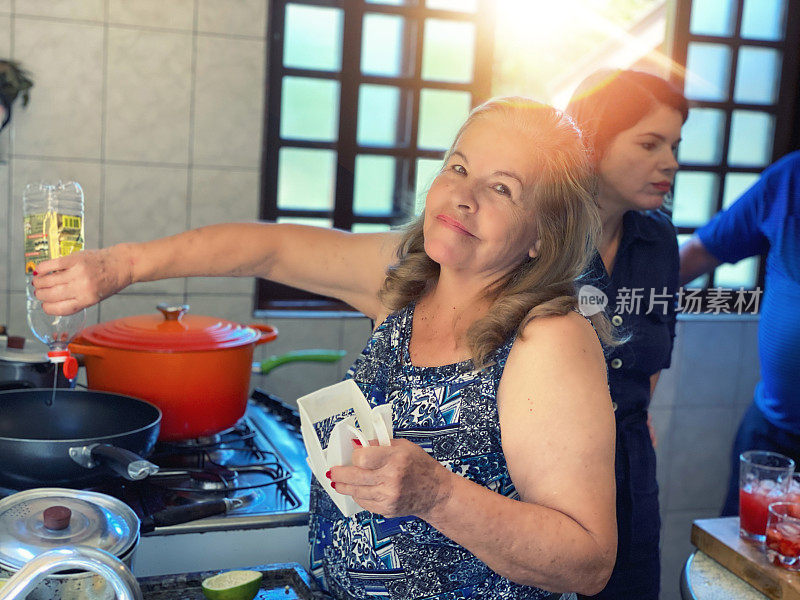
[53, 221]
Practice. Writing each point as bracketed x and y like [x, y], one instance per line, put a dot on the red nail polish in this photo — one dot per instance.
[333, 484]
[356, 442]
[328, 474]
[35, 273]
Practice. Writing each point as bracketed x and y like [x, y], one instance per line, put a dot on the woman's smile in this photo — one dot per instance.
[453, 224]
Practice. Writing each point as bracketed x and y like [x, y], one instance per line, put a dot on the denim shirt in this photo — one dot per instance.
[641, 295]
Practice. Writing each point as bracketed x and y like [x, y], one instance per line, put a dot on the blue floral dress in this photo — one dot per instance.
[451, 412]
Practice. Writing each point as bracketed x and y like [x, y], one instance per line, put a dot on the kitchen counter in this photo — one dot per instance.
[703, 578]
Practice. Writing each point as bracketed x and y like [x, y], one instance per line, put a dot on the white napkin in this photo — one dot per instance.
[344, 401]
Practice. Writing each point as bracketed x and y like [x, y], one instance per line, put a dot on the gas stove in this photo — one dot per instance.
[257, 470]
[257, 467]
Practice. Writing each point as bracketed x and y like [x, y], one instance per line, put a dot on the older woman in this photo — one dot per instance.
[499, 482]
[632, 123]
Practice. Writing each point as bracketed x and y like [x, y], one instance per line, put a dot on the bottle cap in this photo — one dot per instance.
[58, 356]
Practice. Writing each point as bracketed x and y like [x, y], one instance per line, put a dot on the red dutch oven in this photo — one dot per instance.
[196, 369]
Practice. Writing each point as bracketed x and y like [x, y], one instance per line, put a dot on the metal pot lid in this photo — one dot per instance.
[22, 356]
[171, 331]
[38, 520]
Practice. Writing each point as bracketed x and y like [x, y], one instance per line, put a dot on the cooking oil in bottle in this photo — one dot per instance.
[53, 221]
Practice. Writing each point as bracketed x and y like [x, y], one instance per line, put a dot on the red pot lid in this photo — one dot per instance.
[171, 331]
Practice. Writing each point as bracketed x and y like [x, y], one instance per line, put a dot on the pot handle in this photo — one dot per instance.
[129, 465]
[268, 333]
[78, 346]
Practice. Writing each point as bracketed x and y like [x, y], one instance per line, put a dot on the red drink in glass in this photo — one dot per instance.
[764, 478]
[783, 535]
[754, 510]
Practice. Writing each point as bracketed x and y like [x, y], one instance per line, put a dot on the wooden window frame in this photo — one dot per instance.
[273, 299]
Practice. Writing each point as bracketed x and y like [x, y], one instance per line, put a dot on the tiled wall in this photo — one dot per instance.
[155, 108]
[696, 410]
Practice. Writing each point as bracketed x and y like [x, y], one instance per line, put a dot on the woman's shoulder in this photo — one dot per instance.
[556, 334]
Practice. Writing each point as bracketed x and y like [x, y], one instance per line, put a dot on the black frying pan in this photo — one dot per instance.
[76, 440]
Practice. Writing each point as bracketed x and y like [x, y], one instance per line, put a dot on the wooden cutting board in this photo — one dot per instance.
[719, 538]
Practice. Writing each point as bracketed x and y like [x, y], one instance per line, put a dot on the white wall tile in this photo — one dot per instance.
[5, 32]
[175, 14]
[5, 6]
[676, 548]
[699, 463]
[145, 203]
[234, 307]
[709, 363]
[91, 10]
[26, 171]
[244, 17]
[5, 230]
[229, 102]
[220, 196]
[297, 379]
[126, 305]
[355, 334]
[63, 118]
[148, 97]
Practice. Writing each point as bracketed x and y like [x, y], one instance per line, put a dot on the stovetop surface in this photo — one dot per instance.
[261, 463]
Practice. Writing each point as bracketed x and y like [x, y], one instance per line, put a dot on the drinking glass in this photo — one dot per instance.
[783, 535]
[764, 478]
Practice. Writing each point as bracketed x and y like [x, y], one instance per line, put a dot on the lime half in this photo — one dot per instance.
[233, 585]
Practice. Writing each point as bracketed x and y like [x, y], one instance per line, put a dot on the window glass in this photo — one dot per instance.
[310, 109]
[751, 138]
[441, 113]
[370, 227]
[758, 72]
[742, 274]
[700, 282]
[382, 45]
[374, 185]
[306, 178]
[707, 71]
[736, 184]
[695, 198]
[712, 17]
[763, 19]
[378, 115]
[460, 5]
[448, 51]
[702, 136]
[313, 38]
[306, 221]
[427, 169]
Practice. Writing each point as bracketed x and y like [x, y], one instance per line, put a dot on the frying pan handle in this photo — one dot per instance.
[268, 333]
[129, 465]
[183, 514]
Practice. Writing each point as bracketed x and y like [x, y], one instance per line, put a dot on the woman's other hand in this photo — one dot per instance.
[66, 285]
[394, 481]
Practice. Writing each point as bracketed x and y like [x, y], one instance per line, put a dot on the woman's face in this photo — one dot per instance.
[639, 165]
[477, 215]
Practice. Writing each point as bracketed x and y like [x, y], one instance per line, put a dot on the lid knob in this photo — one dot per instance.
[172, 312]
[57, 518]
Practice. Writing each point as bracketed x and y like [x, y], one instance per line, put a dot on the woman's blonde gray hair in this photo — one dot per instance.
[566, 219]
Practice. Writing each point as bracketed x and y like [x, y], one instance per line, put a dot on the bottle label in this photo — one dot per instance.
[50, 235]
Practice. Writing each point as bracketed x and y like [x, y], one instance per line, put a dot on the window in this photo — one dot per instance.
[363, 98]
[741, 78]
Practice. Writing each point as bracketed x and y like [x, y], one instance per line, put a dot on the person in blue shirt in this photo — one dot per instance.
[632, 125]
[764, 220]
